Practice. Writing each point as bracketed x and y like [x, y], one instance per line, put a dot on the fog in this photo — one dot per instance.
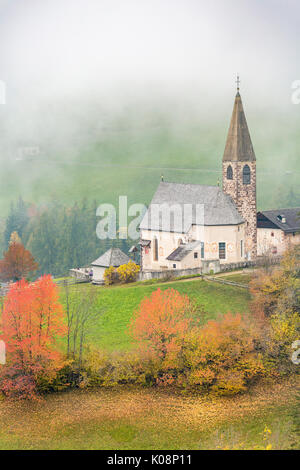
[75, 70]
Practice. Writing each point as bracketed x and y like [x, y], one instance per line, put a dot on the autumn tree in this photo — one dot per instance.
[17, 263]
[32, 321]
[160, 320]
[278, 290]
[14, 238]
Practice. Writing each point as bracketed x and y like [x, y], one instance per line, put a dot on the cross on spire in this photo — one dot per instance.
[238, 82]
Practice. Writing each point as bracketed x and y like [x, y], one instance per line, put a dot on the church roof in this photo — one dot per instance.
[113, 257]
[287, 220]
[199, 204]
[238, 145]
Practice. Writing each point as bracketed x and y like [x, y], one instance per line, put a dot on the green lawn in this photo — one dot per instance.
[242, 278]
[119, 303]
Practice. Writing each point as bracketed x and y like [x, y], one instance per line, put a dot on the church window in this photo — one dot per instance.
[195, 255]
[155, 249]
[174, 266]
[229, 173]
[202, 250]
[246, 175]
[222, 250]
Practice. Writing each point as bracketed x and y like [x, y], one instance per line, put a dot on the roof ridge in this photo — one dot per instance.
[191, 184]
[281, 209]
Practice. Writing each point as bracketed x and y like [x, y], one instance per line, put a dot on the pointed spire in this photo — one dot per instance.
[238, 145]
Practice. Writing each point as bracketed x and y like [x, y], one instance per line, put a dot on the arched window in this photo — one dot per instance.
[155, 249]
[229, 173]
[246, 175]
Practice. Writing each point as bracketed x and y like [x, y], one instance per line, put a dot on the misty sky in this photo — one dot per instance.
[119, 48]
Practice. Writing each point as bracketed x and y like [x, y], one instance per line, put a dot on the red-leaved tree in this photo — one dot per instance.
[32, 320]
[17, 263]
[161, 320]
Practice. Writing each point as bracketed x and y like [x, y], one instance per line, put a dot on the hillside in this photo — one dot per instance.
[110, 331]
[128, 154]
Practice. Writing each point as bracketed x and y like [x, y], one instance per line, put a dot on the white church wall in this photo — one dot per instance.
[231, 235]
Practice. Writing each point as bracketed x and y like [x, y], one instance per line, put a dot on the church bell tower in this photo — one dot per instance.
[239, 173]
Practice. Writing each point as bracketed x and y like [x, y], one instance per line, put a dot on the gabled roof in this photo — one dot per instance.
[209, 205]
[287, 220]
[182, 251]
[238, 145]
[113, 257]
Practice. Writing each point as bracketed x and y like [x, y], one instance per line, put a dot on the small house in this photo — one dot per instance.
[113, 257]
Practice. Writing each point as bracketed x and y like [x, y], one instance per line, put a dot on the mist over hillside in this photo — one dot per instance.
[71, 150]
[102, 97]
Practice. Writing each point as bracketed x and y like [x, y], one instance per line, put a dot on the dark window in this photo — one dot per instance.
[246, 175]
[222, 250]
[195, 255]
[202, 250]
[229, 173]
[155, 249]
[174, 266]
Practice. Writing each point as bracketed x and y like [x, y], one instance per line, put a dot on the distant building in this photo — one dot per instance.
[113, 257]
[26, 150]
[277, 230]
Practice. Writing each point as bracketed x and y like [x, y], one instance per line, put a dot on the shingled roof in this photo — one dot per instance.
[238, 145]
[287, 220]
[113, 257]
[182, 251]
[218, 207]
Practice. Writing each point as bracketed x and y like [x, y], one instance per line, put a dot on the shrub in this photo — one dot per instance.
[221, 356]
[110, 276]
[128, 272]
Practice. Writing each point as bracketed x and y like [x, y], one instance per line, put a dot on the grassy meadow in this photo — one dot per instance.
[119, 303]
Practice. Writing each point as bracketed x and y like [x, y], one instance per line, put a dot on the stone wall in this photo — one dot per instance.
[208, 267]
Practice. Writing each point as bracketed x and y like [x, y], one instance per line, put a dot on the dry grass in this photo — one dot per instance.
[140, 419]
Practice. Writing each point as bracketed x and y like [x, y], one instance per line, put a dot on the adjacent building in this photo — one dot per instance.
[277, 230]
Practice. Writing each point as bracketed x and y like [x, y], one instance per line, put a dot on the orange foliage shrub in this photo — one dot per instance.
[161, 320]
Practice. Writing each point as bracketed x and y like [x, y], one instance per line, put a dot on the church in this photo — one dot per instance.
[187, 225]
